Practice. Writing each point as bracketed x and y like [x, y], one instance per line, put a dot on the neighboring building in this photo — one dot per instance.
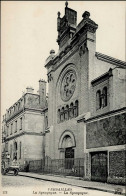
[86, 103]
[104, 128]
[23, 126]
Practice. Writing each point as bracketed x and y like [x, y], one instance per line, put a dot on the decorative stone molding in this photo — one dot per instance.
[82, 49]
[50, 78]
[67, 112]
[67, 133]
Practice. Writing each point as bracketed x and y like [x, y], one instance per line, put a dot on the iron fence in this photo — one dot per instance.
[35, 165]
[68, 166]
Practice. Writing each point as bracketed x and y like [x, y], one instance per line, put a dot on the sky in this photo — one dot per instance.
[29, 32]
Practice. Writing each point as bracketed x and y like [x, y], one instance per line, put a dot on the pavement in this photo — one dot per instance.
[76, 181]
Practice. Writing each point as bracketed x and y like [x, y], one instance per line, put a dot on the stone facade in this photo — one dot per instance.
[23, 126]
[84, 85]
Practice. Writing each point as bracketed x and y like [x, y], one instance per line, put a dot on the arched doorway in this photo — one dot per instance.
[66, 147]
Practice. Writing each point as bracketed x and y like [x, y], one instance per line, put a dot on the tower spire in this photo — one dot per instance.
[66, 3]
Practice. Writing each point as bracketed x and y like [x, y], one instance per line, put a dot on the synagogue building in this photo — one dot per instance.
[86, 104]
[81, 131]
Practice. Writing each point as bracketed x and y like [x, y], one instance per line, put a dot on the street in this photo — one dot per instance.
[19, 185]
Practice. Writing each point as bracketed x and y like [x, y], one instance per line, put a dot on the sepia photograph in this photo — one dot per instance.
[63, 98]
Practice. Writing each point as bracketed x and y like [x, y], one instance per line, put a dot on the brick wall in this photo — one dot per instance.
[117, 164]
[79, 65]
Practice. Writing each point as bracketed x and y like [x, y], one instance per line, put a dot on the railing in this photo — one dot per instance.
[36, 165]
[66, 167]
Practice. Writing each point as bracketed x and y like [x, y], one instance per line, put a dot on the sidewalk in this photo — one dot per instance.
[75, 181]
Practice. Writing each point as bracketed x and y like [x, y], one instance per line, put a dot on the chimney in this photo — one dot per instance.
[30, 90]
[42, 93]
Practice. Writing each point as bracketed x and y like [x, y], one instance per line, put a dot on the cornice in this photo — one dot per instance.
[22, 111]
[14, 136]
[22, 133]
[14, 115]
[33, 110]
[102, 78]
[102, 115]
[111, 60]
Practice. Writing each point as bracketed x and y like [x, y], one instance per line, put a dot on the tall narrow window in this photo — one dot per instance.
[46, 122]
[18, 105]
[11, 129]
[76, 108]
[6, 146]
[98, 100]
[104, 92]
[71, 110]
[21, 123]
[16, 126]
[66, 112]
[15, 150]
[7, 128]
[20, 151]
[11, 151]
[58, 116]
[62, 114]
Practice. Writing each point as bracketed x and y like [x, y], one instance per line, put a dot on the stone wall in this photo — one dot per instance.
[106, 132]
[32, 101]
[34, 122]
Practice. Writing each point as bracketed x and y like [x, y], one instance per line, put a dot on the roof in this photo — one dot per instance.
[114, 61]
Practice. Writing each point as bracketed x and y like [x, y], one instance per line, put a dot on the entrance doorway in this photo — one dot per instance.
[69, 158]
[67, 145]
[99, 166]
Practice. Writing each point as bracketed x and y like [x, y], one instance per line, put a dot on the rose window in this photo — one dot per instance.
[68, 86]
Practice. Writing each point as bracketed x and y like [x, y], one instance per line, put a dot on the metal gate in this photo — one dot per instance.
[69, 158]
[99, 166]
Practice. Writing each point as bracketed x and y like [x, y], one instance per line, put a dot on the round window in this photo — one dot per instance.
[68, 85]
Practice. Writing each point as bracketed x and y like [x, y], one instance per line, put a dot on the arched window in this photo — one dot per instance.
[98, 100]
[66, 112]
[71, 111]
[62, 114]
[104, 92]
[76, 108]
